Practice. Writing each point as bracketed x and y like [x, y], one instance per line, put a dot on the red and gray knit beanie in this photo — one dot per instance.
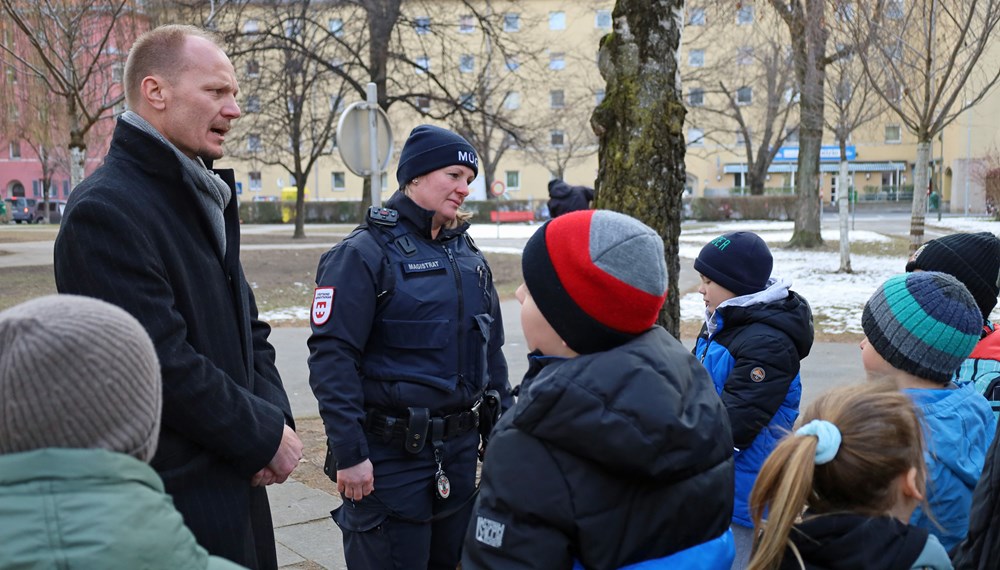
[77, 372]
[598, 277]
[973, 259]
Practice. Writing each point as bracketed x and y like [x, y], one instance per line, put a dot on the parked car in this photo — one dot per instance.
[22, 209]
[56, 208]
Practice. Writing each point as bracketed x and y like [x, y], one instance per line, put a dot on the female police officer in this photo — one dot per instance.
[406, 337]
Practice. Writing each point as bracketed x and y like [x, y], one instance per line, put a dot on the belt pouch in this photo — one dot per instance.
[416, 429]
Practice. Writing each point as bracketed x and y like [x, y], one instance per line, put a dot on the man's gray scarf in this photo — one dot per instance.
[213, 194]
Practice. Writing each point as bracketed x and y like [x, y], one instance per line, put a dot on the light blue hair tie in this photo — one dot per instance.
[828, 439]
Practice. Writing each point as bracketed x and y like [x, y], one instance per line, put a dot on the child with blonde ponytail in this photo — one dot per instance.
[838, 492]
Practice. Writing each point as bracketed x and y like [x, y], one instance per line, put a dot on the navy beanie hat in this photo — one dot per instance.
[597, 276]
[739, 261]
[973, 259]
[924, 323]
[429, 148]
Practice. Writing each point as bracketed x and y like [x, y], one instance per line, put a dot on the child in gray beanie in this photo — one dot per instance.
[919, 328]
[79, 419]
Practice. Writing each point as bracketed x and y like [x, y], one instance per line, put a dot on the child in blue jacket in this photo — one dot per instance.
[756, 332]
[919, 328]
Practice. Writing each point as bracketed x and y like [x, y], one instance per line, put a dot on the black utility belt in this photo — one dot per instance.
[418, 426]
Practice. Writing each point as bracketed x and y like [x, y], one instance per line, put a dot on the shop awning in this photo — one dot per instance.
[823, 167]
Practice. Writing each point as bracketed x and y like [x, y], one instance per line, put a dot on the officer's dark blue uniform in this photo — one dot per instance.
[409, 328]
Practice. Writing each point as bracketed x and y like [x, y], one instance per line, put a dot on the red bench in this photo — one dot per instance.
[527, 216]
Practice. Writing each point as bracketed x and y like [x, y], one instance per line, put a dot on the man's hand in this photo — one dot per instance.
[357, 481]
[263, 477]
[286, 459]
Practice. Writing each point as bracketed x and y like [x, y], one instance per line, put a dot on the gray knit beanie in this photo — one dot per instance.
[77, 372]
[923, 323]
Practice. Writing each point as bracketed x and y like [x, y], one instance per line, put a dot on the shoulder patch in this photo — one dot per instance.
[489, 531]
[322, 305]
[758, 374]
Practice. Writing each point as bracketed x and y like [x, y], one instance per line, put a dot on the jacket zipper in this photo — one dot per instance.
[461, 309]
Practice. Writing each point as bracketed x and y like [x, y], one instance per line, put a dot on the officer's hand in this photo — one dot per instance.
[357, 481]
[286, 459]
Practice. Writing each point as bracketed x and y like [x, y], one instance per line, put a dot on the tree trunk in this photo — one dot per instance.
[300, 208]
[921, 183]
[639, 126]
[843, 204]
[806, 232]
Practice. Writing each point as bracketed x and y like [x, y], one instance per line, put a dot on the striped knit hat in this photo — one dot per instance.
[598, 277]
[76, 372]
[923, 323]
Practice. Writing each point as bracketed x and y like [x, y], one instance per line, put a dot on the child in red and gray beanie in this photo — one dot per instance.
[613, 409]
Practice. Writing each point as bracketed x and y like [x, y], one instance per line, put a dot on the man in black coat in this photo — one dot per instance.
[156, 232]
[564, 198]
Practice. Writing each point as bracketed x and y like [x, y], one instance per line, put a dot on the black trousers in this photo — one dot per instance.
[388, 530]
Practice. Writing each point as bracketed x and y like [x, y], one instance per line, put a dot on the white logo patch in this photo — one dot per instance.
[489, 532]
[322, 305]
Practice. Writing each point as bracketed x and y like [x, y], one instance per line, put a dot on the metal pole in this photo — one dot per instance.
[376, 178]
[968, 158]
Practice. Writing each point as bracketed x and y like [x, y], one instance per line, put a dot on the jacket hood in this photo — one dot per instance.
[850, 541]
[777, 306]
[645, 409]
[559, 189]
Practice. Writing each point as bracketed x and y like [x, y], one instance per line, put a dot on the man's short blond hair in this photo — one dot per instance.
[159, 52]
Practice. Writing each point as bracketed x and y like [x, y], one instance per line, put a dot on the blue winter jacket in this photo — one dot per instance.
[751, 347]
[958, 427]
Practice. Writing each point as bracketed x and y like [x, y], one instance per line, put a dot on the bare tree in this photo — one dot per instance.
[930, 52]
[563, 137]
[640, 127]
[852, 102]
[754, 90]
[77, 49]
[986, 172]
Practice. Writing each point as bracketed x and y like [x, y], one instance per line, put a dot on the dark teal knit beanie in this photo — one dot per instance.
[923, 323]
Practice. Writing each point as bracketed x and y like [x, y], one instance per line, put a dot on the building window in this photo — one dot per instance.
[742, 137]
[894, 9]
[422, 25]
[697, 17]
[744, 55]
[15, 149]
[557, 99]
[512, 22]
[792, 135]
[467, 101]
[253, 68]
[255, 183]
[253, 104]
[117, 70]
[696, 57]
[845, 11]
[336, 27]
[744, 16]
[791, 95]
[251, 26]
[557, 61]
[337, 181]
[512, 63]
[744, 96]
[893, 134]
[424, 103]
[557, 20]
[423, 65]
[602, 20]
[696, 97]
[336, 104]
[253, 142]
[513, 179]
[598, 97]
[293, 27]
[843, 93]
[466, 24]
[512, 100]
[557, 138]
[696, 137]
[467, 63]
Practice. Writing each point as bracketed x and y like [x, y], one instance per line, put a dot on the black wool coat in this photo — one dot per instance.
[135, 234]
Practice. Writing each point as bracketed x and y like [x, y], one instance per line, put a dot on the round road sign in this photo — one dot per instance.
[497, 188]
[354, 139]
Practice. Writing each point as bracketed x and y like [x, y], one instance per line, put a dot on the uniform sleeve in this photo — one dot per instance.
[516, 525]
[764, 368]
[499, 377]
[200, 401]
[336, 345]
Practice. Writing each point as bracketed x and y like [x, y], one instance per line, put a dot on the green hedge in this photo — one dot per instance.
[743, 207]
[350, 212]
